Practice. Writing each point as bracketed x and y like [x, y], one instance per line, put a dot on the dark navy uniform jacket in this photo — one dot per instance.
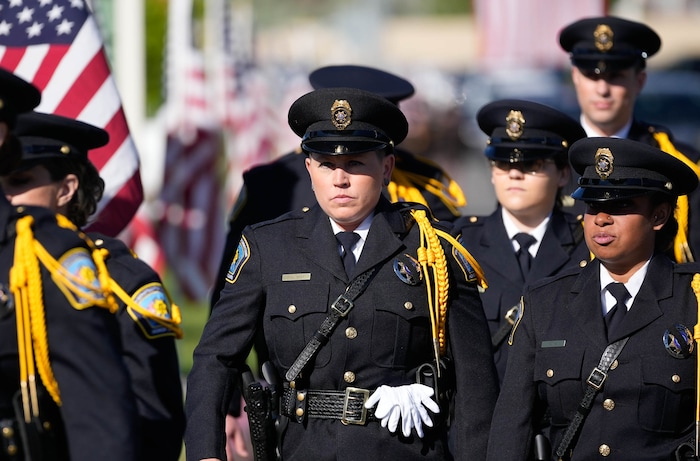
[646, 407]
[486, 239]
[98, 412]
[149, 353]
[393, 338]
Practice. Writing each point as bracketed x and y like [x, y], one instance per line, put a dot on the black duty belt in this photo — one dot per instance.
[348, 406]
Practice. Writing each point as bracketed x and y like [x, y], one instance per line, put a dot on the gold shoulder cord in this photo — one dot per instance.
[26, 286]
[172, 325]
[681, 250]
[695, 284]
[406, 187]
[432, 255]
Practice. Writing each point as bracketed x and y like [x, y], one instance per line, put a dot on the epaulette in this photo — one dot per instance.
[687, 268]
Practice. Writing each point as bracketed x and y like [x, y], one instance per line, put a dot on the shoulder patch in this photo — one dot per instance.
[77, 278]
[154, 305]
[239, 259]
[464, 264]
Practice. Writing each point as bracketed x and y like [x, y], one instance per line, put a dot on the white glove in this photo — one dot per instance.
[407, 403]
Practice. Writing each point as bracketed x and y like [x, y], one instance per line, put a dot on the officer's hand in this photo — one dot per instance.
[236, 447]
[407, 403]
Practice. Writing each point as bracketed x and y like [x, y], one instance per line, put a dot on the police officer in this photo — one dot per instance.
[283, 185]
[608, 350]
[366, 391]
[528, 152]
[56, 173]
[609, 56]
[65, 390]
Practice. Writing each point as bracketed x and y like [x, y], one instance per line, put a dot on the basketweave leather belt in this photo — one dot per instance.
[348, 406]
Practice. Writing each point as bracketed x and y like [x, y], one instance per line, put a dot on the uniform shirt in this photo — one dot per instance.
[486, 238]
[149, 353]
[393, 338]
[646, 407]
[97, 419]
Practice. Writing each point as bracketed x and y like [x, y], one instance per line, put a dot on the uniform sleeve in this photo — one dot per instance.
[98, 407]
[476, 381]
[150, 355]
[512, 427]
[225, 343]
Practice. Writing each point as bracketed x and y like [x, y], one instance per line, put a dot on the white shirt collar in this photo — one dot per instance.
[633, 285]
[593, 133]
[362, 230]
[511, 229]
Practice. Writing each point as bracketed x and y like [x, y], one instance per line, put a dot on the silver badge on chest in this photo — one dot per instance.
[679, 342]
[407, 269]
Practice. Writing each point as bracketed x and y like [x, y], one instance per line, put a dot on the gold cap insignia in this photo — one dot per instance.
[604, 162]
[341, 114]
[603, 36]
[515, 124]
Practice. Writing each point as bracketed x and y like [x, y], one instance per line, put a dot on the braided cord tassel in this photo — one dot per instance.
[681, 249]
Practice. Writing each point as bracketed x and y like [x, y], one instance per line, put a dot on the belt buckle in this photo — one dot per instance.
[342, 305]
[353, 418]
[596, 378]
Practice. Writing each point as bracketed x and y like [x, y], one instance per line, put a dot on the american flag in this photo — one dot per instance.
[191, 224]
[56, 44]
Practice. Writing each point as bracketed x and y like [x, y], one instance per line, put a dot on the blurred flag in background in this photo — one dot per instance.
[57, 46]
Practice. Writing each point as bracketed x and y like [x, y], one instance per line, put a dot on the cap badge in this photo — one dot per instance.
[603, 37]
[515, 124]
[341, 114]
[604, 162]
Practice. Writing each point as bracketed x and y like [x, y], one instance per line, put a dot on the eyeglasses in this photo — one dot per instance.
[532, 167]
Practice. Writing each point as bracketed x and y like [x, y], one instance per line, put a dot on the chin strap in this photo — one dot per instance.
[681, 249]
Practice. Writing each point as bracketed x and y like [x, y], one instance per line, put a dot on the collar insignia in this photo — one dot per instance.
[604, 162]
[341, 114]
[603, 37]
[515, 124]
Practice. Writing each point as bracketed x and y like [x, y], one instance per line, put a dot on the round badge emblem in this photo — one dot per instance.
[407, 269]
[679, 342]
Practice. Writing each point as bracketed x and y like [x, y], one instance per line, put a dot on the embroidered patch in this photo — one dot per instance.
[154, 305]
[82, 288]
[464, 264]
[239, 259]
[679, 342]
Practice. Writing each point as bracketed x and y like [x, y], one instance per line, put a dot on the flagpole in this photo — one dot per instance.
[130, 63]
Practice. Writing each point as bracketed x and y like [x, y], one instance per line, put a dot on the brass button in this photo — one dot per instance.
[676, 379]
[614, 364]
[300, 412]
[473, 219]
[609, 404]
[583, 263]
[47, 425]
[292, 308]
[11, 449]
[349, 377]
[408, 305]
[350, 333]
[301, 396]
[550, 373]
[293, 384]
[305, 209]
[7, 432]
[604, 450]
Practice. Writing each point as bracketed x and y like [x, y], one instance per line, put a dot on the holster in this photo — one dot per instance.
[261, 417]
[443, 385]
[43, 437]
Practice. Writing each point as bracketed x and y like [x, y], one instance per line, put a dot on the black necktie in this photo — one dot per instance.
[618, 311]
[348, 240]
[524, 256]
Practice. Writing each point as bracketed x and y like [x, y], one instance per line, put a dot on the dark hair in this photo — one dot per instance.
[10, 154]
[665, 237]
[90, 186]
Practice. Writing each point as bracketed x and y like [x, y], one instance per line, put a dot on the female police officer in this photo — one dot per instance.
[286, 273]
[607, 350]
[56, 173]
[64, 391]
